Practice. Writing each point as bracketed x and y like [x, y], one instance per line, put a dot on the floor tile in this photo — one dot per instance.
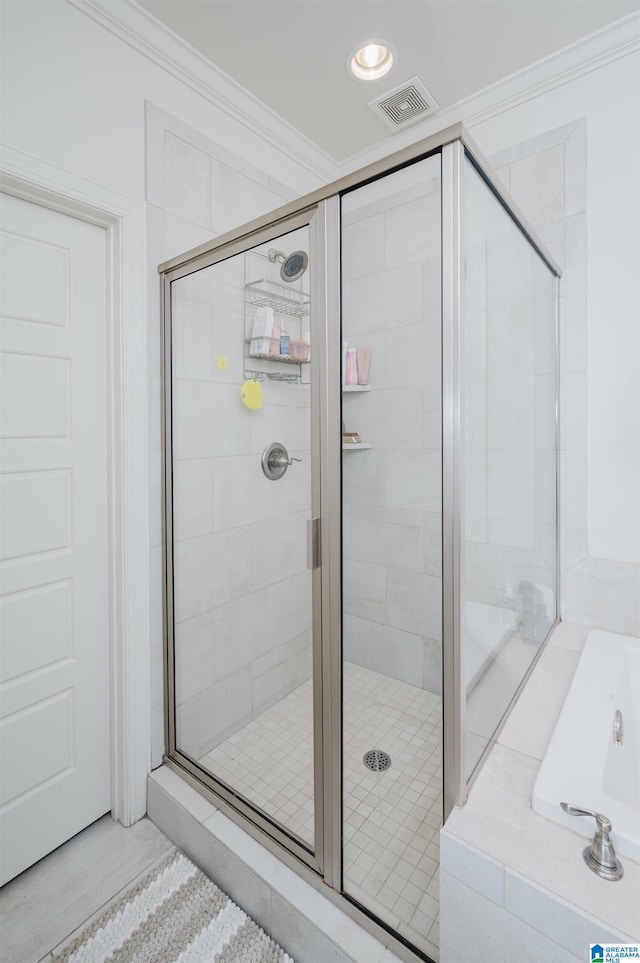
[391, 818]
[46, 903]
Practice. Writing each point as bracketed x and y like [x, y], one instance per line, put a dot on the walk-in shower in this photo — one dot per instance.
[361, 515]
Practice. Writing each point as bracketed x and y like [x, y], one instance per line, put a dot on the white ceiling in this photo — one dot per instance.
[291, 54]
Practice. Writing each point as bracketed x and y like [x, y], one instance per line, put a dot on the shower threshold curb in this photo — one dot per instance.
[306, 924]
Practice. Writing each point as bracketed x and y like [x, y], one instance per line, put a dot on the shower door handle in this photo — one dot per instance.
[313, 543]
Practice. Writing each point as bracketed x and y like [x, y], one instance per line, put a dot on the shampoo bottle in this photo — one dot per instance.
[285, 345]
[352, 367]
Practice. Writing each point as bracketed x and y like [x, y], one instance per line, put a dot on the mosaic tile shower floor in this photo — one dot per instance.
[391, 818]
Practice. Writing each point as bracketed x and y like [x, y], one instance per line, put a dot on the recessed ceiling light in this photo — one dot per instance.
[371, 60]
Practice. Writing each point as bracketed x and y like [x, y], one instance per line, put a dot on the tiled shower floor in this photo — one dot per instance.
[391, 819]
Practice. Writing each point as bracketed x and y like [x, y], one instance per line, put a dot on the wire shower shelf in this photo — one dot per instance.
[284, 300]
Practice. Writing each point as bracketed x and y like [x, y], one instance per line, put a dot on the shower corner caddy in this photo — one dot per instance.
[284, 301]
[350, 389]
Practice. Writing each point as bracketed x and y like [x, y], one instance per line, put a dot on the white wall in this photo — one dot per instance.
[609, 99]
[74, 96]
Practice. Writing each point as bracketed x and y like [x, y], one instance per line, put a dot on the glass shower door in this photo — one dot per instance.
[392, 549]
[508, 424]
[243, 496]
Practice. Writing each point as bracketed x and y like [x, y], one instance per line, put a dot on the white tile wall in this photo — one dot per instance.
[473, 868]
[194, 656]
[413, 358]
[390, 418]
[414, 479]
[283, 668]
[414, 602]
[365, 589]
[214, 714]
[193, 497]
[186, 180]
[555, 918]
[391, 522]
[237, 198]
[251, 626]
[489, 930]
[363, 247]
[192, 355]
[388, 299]
[538, 185]
[383, 648]
[412, 231]
[243, 495]
[235, 533]
[209, 571]
[391, 537]
[278, 549]
[209, 420]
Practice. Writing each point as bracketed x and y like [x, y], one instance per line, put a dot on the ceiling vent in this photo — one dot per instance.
[404, 105]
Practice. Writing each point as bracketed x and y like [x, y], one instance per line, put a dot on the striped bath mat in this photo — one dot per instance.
[174, 913]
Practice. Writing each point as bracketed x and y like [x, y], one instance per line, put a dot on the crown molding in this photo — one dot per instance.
[140, 30]
[612, 43]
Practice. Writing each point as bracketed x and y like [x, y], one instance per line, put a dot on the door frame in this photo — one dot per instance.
[123, 219]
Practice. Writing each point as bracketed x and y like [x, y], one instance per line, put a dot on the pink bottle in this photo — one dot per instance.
[363, 357]
[352, 367]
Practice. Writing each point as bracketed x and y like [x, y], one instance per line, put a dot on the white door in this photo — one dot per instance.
[54, 576]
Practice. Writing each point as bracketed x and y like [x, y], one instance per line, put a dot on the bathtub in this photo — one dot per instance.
[584, 764]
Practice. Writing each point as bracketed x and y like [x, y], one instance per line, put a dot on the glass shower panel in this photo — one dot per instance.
[508, 429]
[241, 371]
[392, 548]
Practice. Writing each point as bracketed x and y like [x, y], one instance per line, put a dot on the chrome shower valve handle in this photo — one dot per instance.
[275, 460]
[600, 856]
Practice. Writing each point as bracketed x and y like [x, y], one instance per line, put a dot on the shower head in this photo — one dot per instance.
[293, 266]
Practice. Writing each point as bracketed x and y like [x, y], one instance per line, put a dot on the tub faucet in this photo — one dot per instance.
[600, 856]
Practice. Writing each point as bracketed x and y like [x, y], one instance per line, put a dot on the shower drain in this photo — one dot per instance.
[376, 760]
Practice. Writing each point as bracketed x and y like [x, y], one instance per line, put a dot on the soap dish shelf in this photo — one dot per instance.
[256, 346]
[271, 373]
[288, 377]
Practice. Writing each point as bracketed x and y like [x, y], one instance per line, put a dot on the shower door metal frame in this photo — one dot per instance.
[315, 219]
[324, 871]
[453, 729]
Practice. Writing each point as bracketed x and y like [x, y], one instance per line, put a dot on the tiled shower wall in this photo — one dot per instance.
[241, 584]
[392, 492]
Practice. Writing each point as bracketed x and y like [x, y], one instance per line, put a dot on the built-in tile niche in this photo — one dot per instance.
[392, 529]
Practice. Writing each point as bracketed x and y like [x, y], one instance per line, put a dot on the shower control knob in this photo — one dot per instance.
[275, 460]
